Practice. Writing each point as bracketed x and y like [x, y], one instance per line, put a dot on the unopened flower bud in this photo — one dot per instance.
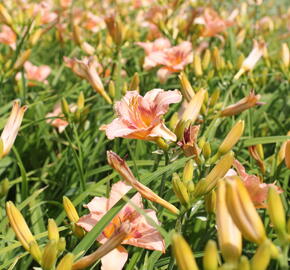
[262, 256]
[206, 59]
[5, 16]
[173, 121]
[124, 88]
[244, 264]
[19, 225]
[214, 97]
[61, 244]
[112, 89]
[247, 102]
[276, 211]
[180, 190]
[217, 60]
[240, 61]
[197, 65]
[182, 253]
[179, 129]
[65, 107]
[4, 186]
[49, 255]
[218, 172]
[194, 106]
[134, 84]
[210, 258]
[206, 150]
[52, 229]
[232, 137]
[23, 57]
[210, 202]
[35, 36]
[285, 53]
[115, 28]
[35, 251]
[186, 88]
[66, 262]
[243, 211]
[188, 171]
[81, 101]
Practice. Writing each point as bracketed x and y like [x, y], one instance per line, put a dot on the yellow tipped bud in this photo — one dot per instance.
[52, 229]
[276, 211]
[112, 89]
[218, 172]
[232, 137]
[134, 84]
[214, 97]
[22, 59]
[210, 202]
[173, 121]
[35, 36]
[81, 101]
[217, 60]
[161, 143]
[186, 88]
[182, 253]
[206, 59]
[194, 106]
[114, 241]
[179, 129]
[125, 88]
[70, 210]
[197, 65]
[190, 187]
[287, 154]
[4, 187]
[243, 211]
[61, 244]
[206, 150]
[210, 258]
[66, 262]
[244, 264]
[65, 107]
[5, 16]
[19, 225]
[180, 190]
[188, 171]
[240, 61]
[49, 255]
[262, 256]
[285, 54]
[35, 251]
[229, 236]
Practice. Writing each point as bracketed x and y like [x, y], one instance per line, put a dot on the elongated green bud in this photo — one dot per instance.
[52, 229]
[134, 84]
[66, 262]
[180, 190]
[49, 255]
[188, 171]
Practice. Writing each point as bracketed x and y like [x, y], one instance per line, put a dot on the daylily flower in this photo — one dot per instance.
[213, 23]
[59, 123]
[36, 73]
[256, 189]
[140, 117]
[141, 233]
[93, 22]
[254, 56]
[153, 51]
[11, 128]
[189, 142]
[174, 59]
[8, 37]
[87, 69]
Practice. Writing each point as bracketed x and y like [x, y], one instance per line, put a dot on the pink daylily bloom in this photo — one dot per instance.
[141, 233]
[35, 73]
[213, 23]
[8, 37]
[59, 123]
[257, 190]
[141, 117]
[11, 128]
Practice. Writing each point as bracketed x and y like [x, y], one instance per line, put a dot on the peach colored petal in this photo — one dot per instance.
[89, 221]
[163, 74]
[98, 205]
[146, 235]
[162, 131]
[115, 260]
[117, 192]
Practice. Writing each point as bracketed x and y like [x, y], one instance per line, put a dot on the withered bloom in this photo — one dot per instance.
[189, 142]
